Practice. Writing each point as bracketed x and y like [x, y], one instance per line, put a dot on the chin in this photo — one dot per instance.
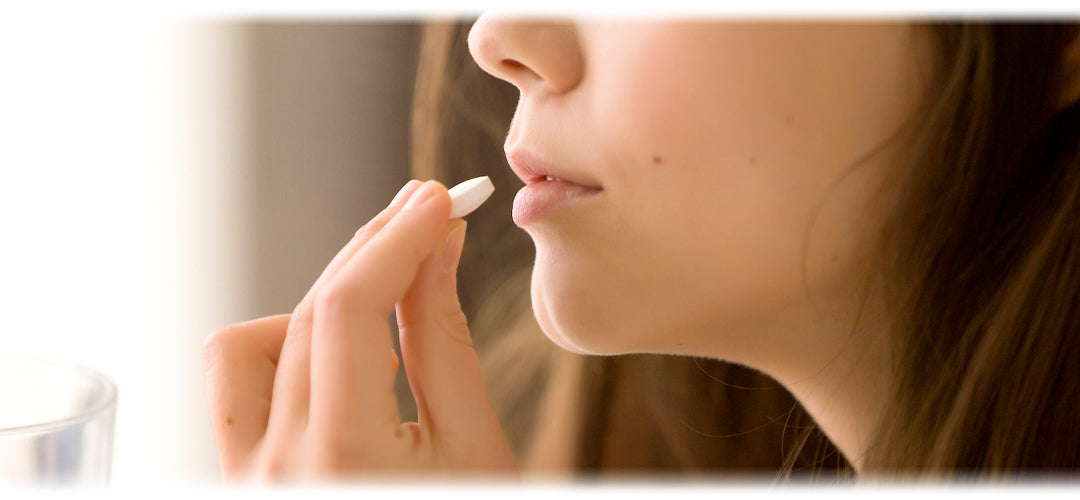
[551, 329]
[574, 316]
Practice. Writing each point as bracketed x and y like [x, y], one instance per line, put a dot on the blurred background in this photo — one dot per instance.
[162, 177]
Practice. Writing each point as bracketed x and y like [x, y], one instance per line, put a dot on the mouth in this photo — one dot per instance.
[532, 170]
[547, 191]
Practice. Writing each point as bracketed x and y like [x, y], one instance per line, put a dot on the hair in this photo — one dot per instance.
[982, 262]
[979, 261]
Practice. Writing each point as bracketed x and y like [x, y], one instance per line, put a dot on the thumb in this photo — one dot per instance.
[436, 347]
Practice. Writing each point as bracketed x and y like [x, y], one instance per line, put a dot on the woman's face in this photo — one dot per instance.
[718, 154]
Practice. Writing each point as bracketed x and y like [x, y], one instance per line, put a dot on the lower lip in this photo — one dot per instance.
[545, 197]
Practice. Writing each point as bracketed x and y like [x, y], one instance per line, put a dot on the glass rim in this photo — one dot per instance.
[85, 415]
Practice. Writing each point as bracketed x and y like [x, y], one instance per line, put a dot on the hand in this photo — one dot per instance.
[310, 395]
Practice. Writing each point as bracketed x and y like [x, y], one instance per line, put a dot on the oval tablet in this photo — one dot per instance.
[469, 195]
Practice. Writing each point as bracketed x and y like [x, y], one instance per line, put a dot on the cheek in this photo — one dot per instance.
[693, 230]
[697, 96]
[715, 173]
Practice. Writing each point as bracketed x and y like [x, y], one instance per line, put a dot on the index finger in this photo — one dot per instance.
[351, 376]
[292, 393]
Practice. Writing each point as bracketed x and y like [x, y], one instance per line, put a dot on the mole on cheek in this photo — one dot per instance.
[228, 420]
[788, 119]
[753, 160]
[657, 160]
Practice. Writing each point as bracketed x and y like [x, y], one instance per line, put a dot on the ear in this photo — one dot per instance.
[1070, 67]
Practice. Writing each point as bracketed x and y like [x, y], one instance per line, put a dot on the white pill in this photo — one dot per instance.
[469, 195]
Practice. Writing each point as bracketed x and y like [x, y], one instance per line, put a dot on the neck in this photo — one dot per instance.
[843, 395]
[837, 373]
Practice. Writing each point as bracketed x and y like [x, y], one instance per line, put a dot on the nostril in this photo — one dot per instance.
[515, 69]
[512, 64]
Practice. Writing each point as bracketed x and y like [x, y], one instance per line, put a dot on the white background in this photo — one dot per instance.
[119, 202]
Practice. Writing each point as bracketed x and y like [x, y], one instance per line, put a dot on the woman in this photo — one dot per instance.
[880, 217]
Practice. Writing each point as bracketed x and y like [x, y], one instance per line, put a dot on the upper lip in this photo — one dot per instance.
[531, 169]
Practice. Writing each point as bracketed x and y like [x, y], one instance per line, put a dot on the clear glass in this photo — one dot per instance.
[56, 423]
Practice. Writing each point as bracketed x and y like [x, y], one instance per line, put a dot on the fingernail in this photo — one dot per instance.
[422, 194]
[451, 252]
[403, 194]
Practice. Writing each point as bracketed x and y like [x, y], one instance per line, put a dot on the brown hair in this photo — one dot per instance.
[982, 261]
[979, 262]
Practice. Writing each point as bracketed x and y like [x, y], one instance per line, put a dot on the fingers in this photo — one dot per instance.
[324, 373]
[444, 371]
[239, 363]
[292, 389]
[363, 235]
[352, 378]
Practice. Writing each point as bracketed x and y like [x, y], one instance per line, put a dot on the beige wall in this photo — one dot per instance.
[328, 123]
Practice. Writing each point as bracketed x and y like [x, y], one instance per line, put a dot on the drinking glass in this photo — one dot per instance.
[56, 422]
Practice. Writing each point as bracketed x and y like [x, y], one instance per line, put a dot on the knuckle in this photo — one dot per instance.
[341, 298]
[334, 455]
[274, 469]
[332, 300]
[217, 345]
[340, 452]
[273, 463]
[364, 230]
[301, 314]
[373, 225]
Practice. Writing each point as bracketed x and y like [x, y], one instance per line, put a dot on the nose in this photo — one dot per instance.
[535, 56]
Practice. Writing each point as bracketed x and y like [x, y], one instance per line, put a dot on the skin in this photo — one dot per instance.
[725, 228]
[308, 396]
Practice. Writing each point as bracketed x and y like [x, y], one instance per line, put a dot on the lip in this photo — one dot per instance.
[531, 169]
[542, 197]
[545, 198]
